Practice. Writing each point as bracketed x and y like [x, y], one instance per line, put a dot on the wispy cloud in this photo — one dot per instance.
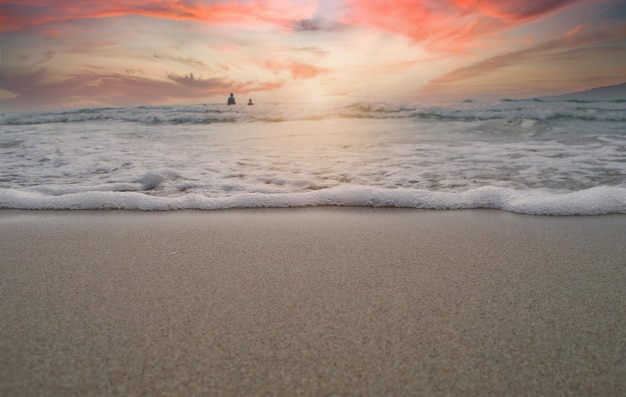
[579, 40]
[93, 45]
[188, 61]
[317, 51]
[189, 80]
[18, 15]
[202, 88]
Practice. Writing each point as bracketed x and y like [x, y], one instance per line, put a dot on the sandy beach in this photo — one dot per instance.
[311, 302]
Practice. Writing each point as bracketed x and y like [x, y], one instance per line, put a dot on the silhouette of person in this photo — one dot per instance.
[250, 102]
[231, 99]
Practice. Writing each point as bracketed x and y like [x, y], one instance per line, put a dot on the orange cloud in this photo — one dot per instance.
[299, 71]
[303, 71]
[16, 16]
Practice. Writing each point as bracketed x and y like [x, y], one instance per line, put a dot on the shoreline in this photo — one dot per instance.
[311, 301]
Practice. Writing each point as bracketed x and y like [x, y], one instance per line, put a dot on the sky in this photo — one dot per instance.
[57, 54]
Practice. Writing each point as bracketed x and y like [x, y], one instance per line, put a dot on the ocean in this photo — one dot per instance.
[530, 157]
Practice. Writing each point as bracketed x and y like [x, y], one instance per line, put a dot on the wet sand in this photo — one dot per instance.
[311, 302]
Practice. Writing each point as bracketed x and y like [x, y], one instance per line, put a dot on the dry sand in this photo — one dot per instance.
[322, 301]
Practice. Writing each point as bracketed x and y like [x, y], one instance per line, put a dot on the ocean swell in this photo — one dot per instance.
[610, 111]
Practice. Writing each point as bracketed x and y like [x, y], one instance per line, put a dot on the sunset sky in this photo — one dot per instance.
[66, 54]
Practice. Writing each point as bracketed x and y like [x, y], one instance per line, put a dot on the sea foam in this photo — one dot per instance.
[595, 201]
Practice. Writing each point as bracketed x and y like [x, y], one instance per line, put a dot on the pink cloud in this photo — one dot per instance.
[430, 22]
[299, 71]
[448, 25]
[441, 24]
[577, 30]
[514, 10]
[16, 16]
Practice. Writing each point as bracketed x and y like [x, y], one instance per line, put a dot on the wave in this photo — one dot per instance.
[593, 201]
[140, 114]
[550, 100]
[469, 110]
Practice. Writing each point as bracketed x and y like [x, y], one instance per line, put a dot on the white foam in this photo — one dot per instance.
[595, 201]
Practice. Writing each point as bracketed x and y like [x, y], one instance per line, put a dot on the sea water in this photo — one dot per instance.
[531, 157]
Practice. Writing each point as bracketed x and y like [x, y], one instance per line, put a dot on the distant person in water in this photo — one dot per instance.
[250, 102]
[231, 99]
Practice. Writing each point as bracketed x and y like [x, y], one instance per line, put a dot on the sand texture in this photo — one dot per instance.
[311, 302]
